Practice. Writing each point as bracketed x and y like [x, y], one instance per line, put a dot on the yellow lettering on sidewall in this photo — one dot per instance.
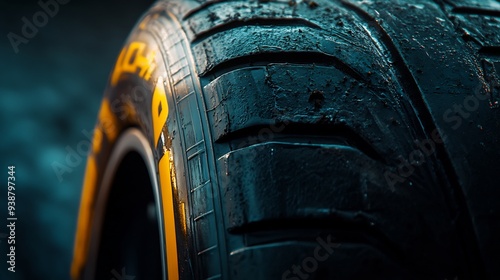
[134, 60]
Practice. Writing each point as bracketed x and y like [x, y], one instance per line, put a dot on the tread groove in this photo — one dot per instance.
[207, 250]
[203, 215]
[202, 7]
[326, 134]
[475, 11]
[490, 50]
[218, 276]
[356, 231]
[292, 22]
[266, 58]
[200, 186]
[195, 154]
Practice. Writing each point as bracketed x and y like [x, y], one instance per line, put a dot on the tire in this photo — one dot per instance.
[298, 140]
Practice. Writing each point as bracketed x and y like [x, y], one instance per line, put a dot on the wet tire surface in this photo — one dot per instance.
[335, 139]
[374, 123]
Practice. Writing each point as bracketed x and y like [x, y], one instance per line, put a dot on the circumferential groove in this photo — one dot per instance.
[267, 58]
[468, 236]
[257, 21]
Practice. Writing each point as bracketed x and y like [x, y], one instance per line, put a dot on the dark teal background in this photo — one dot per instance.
[49, 93]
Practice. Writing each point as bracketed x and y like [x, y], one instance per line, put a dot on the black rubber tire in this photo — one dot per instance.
[371, 126]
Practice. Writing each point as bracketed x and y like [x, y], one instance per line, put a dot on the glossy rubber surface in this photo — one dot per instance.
[368, 128]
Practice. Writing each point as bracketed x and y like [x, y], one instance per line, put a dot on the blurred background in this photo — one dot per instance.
[50, 92]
